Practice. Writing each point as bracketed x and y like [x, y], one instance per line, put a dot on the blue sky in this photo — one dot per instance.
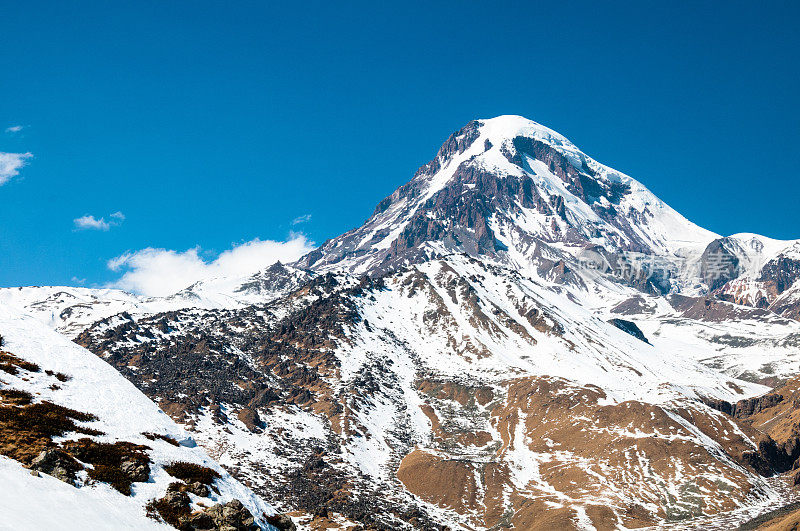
[195, 125]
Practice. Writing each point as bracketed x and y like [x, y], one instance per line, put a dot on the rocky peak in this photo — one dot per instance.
[757, 271]
[720, 262]
[514, 192]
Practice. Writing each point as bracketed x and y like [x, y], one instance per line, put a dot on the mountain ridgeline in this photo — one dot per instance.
[519, 337]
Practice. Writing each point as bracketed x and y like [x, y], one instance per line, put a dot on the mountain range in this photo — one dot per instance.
[519, 337]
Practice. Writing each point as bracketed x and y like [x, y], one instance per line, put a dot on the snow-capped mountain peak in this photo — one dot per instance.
[510, 189]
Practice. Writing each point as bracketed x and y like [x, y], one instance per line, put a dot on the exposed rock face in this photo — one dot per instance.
[275, 279]
[231, 516]
[750, 406]
[634, 306]
[718, 264]
[629, 327]
[789, 306]
[766, 279]
[549, 453]
[177, 500]
[58, 464]
[282, 522]
[250, 418]
[507, 189]
[135, 469]
[194, 372]
[780, 274]
[195, 487]
[715, 310]
[778, 415]
[175, 509]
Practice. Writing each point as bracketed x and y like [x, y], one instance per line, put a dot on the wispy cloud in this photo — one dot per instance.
[305, 218]
[160, 272]
[14, 129]
[79, 281]
[10, 164]
[89, 222]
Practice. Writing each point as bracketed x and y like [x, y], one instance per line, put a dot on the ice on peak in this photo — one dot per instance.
[509, 126]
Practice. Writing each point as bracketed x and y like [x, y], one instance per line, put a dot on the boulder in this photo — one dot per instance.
[177, 500]
[136, 470]
[232, 516]
[198, 489]
[282, 522]
[195, 487]
[175, 508]
[56, 463]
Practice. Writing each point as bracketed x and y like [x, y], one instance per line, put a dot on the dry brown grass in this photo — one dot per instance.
[15, 397]
[11, 364]
[158, 436]
[191, 472]
[171, 513]
[60, 376]
[27, 428]
[107, 460]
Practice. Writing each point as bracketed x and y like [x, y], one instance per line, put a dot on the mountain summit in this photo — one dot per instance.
[510, 189]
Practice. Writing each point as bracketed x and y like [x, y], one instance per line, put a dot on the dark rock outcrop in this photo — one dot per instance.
[57, 463]
[250, 418]
[232, 516]
[630, 328]
[771, 457]
[282, 522]
[195, 487]
[136, 470]
[780, 273]
[719, 264]
[746, 407]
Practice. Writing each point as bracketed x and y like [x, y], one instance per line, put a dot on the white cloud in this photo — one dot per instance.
[305, 218]
[10, 164]
[14, 129]
[92, 223]
[161, 272]
[79, 281]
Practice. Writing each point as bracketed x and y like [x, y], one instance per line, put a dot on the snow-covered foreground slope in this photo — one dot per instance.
[44, 502]
[43, 367]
